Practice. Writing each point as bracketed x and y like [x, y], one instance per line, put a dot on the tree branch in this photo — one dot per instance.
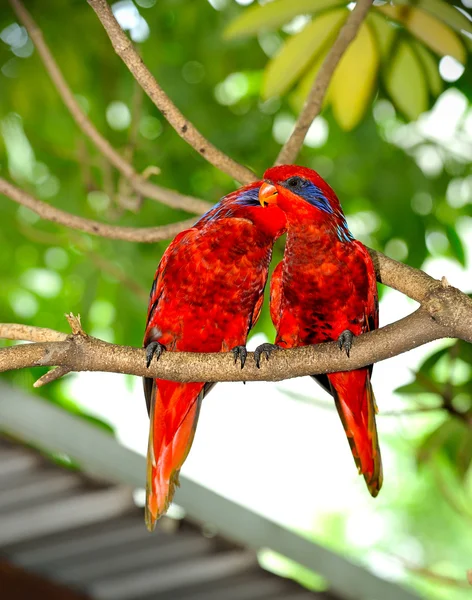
[186, 130]
[114, 232]
[445, 312]
[138, 182]
[314, 102]
[29, 333]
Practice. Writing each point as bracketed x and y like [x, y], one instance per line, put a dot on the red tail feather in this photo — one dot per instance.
[356, 406]
[174, 415]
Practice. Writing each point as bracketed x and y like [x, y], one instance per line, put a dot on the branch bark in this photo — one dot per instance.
[185, 129]
[445, 312]
[312, 108]
[138, 182]
[114, 232]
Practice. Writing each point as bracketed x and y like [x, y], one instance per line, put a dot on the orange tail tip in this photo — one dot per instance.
[159, 499]
[356, 406]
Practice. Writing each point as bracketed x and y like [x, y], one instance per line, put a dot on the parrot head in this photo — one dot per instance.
[304, 197]
[298, 190]
[244, 203]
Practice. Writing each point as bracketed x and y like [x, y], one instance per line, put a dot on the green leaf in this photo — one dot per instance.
[435, 440]
[412, 388]
[463, 456]
[298, 97]
[299, 51]
[456, 244]
[274, 14]
[405, 82]
[430, 65]
[432, 360]
[384, 33]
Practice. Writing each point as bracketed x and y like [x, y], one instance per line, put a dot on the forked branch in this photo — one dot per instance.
[138, 182]
[187, 131]
[114, 232]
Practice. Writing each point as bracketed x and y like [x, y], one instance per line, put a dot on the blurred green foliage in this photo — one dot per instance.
[405, 190]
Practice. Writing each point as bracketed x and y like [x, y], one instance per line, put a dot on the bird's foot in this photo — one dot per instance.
[345, 341]
[240, 353]
[154, 349]
[266, 350]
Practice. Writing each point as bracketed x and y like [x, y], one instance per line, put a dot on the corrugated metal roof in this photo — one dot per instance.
[90, 536]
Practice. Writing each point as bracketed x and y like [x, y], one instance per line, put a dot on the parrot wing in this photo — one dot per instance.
[156, 292]
[276, 294]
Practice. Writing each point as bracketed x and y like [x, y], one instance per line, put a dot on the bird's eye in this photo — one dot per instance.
[295, 182]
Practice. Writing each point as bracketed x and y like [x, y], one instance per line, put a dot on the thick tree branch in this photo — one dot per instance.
[138, 182]
[187, 131]
[314, 102]
[84, 353]
[445, 312]
[114, 232]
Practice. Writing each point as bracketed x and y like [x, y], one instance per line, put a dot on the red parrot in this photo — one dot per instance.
[206, 296]
[325, 289]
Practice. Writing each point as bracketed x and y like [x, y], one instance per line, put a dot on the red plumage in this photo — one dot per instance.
[324, 286]
[206, 296]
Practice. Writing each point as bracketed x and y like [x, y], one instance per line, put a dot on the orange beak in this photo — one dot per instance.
[267, 194]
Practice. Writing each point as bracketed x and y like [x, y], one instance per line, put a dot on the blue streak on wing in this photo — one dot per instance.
[249, 197]
[343, 233]
[225, 209]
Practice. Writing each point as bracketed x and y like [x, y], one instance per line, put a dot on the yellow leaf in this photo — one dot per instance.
[430, 65]
[299, 51]
[274, 14]
[405, 82]
[384, 33]
[354, 79]
[446, 13]
[432, 32]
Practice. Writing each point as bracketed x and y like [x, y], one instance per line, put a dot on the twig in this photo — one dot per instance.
[187, 131]
[51, 375]
[143, 187]
[124, 198]
[445, 312]
[114, 232]
[115, 271]
[433, 575]
[314, 101]
[14, 331]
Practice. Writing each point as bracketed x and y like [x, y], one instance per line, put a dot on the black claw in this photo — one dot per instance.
[264, 349]
[153, 349]
[240, 353]
[345, 341]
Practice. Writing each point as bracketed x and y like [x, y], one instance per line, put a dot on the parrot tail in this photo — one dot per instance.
[355, 401]
[174, 414]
